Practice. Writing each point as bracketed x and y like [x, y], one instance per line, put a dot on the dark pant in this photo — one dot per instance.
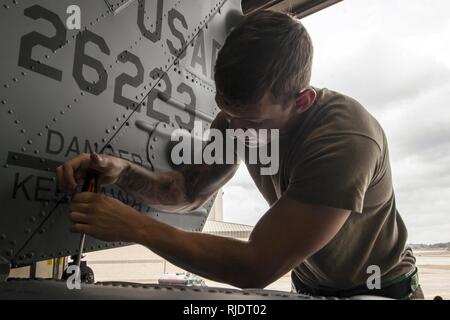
[404, 289]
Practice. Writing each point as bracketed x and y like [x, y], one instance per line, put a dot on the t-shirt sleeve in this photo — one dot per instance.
[334, 171]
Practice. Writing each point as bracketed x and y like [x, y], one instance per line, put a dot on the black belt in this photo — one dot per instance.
[400, 288]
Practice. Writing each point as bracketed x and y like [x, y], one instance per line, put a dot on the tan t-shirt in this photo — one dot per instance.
[338, 156]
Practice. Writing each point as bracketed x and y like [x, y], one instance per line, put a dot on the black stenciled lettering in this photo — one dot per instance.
[74, 147]
[21, 185]
[184, 88]
[88, 148]
[81, 59]
[40, 187]
[124, 79]
[32, 39]
[172, 16]
[55, 142]
[153, 95]
[199, 53]
[153, 36]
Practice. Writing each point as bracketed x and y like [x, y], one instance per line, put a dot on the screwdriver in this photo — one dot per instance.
[90, 185]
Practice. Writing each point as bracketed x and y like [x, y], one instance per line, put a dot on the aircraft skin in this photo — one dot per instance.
[136, 71]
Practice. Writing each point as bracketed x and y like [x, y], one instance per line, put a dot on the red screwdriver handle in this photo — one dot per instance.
[91, 181]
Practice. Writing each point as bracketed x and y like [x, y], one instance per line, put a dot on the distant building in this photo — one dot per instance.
[216, 212]
[227, 229]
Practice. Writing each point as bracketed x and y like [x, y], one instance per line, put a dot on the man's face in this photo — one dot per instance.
[266, 114]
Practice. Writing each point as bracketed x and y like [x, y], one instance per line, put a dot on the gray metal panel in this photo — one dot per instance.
[57, 290]
[300, 8]
[55, 108]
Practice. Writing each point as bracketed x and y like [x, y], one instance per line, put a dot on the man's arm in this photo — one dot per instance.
[178, 191]
[286, 235]
[175, 191]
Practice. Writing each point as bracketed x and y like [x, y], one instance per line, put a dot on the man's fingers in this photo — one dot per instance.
[99, 163]
[79, 207]
[79, 217]
[59, 178]
[68, 177]
[80, 228]
[85, 197]
[70, 172]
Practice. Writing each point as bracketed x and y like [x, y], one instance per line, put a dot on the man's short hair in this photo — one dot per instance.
[266, 51]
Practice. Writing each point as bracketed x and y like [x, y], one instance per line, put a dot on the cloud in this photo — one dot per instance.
[384, 73]
[392, 56]
[381, 52]
[242, 201]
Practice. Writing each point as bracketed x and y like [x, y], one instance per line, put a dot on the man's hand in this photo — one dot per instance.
[72, 173]
[103, 217]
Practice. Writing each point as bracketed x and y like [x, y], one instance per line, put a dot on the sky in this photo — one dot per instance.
[394, 58]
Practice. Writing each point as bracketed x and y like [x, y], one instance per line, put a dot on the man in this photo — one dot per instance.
[333, 218]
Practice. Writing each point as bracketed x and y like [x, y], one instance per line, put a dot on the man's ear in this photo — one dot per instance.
[305, 99]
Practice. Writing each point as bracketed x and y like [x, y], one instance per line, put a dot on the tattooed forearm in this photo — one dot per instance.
[135, 180]
[161, 190]
[175, 191]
